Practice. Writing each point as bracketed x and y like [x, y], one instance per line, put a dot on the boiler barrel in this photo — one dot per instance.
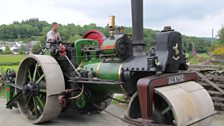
[106, 71]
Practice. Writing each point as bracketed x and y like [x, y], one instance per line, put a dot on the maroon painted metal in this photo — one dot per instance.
[95, 35]
[147, 85]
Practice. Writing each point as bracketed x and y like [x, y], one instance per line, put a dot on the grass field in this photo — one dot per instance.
[4, 68]
[10, 59]
[13, 62]
[198, 59]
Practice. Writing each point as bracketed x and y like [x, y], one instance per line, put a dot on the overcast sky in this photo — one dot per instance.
[191, 17]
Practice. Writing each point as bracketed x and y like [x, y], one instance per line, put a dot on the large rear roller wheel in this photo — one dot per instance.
[42, 78]
[180, 105]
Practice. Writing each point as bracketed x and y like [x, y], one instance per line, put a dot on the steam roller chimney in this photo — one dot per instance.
[137, 27]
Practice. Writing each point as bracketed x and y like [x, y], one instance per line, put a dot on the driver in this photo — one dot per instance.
[53, 35]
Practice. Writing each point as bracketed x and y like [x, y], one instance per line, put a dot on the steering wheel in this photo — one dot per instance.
[41, 51]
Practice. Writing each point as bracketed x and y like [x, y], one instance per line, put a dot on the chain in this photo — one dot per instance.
[133, 122]
[141, 122]
[130, 121]
[2, 85]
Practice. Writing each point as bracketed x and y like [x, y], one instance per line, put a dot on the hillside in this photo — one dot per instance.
[35, 30]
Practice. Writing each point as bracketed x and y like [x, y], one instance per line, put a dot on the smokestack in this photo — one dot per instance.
[137, 27]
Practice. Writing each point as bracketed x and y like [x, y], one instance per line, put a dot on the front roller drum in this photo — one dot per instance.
[189, 103]
[42, 78]
[182, 104]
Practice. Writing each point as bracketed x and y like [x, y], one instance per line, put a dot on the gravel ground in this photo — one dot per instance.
[13, 118]
[218, 120]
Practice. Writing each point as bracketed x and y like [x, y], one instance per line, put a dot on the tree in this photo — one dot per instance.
[199, 44]
[35, 30]
[22, 50]
[35, 48]
[221, 35]
[74, 38]
[7, 50]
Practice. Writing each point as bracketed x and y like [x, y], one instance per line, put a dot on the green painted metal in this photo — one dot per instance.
[79, 44]
[81, 101]
[35, 106]
[40, 102]
[35, 72]
[91, 65]
[108, 46]
[105, 71]
[9, 94]
[109, 71]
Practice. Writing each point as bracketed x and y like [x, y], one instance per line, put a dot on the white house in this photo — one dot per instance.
[15, 46]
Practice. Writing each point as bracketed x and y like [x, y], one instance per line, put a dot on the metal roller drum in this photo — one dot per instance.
[42, 78]
[189, 103]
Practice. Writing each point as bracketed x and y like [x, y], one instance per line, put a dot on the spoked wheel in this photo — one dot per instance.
[41, 78]
[41, 51]
[162, 113]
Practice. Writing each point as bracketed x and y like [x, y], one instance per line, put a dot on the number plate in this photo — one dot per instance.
[175, 79]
